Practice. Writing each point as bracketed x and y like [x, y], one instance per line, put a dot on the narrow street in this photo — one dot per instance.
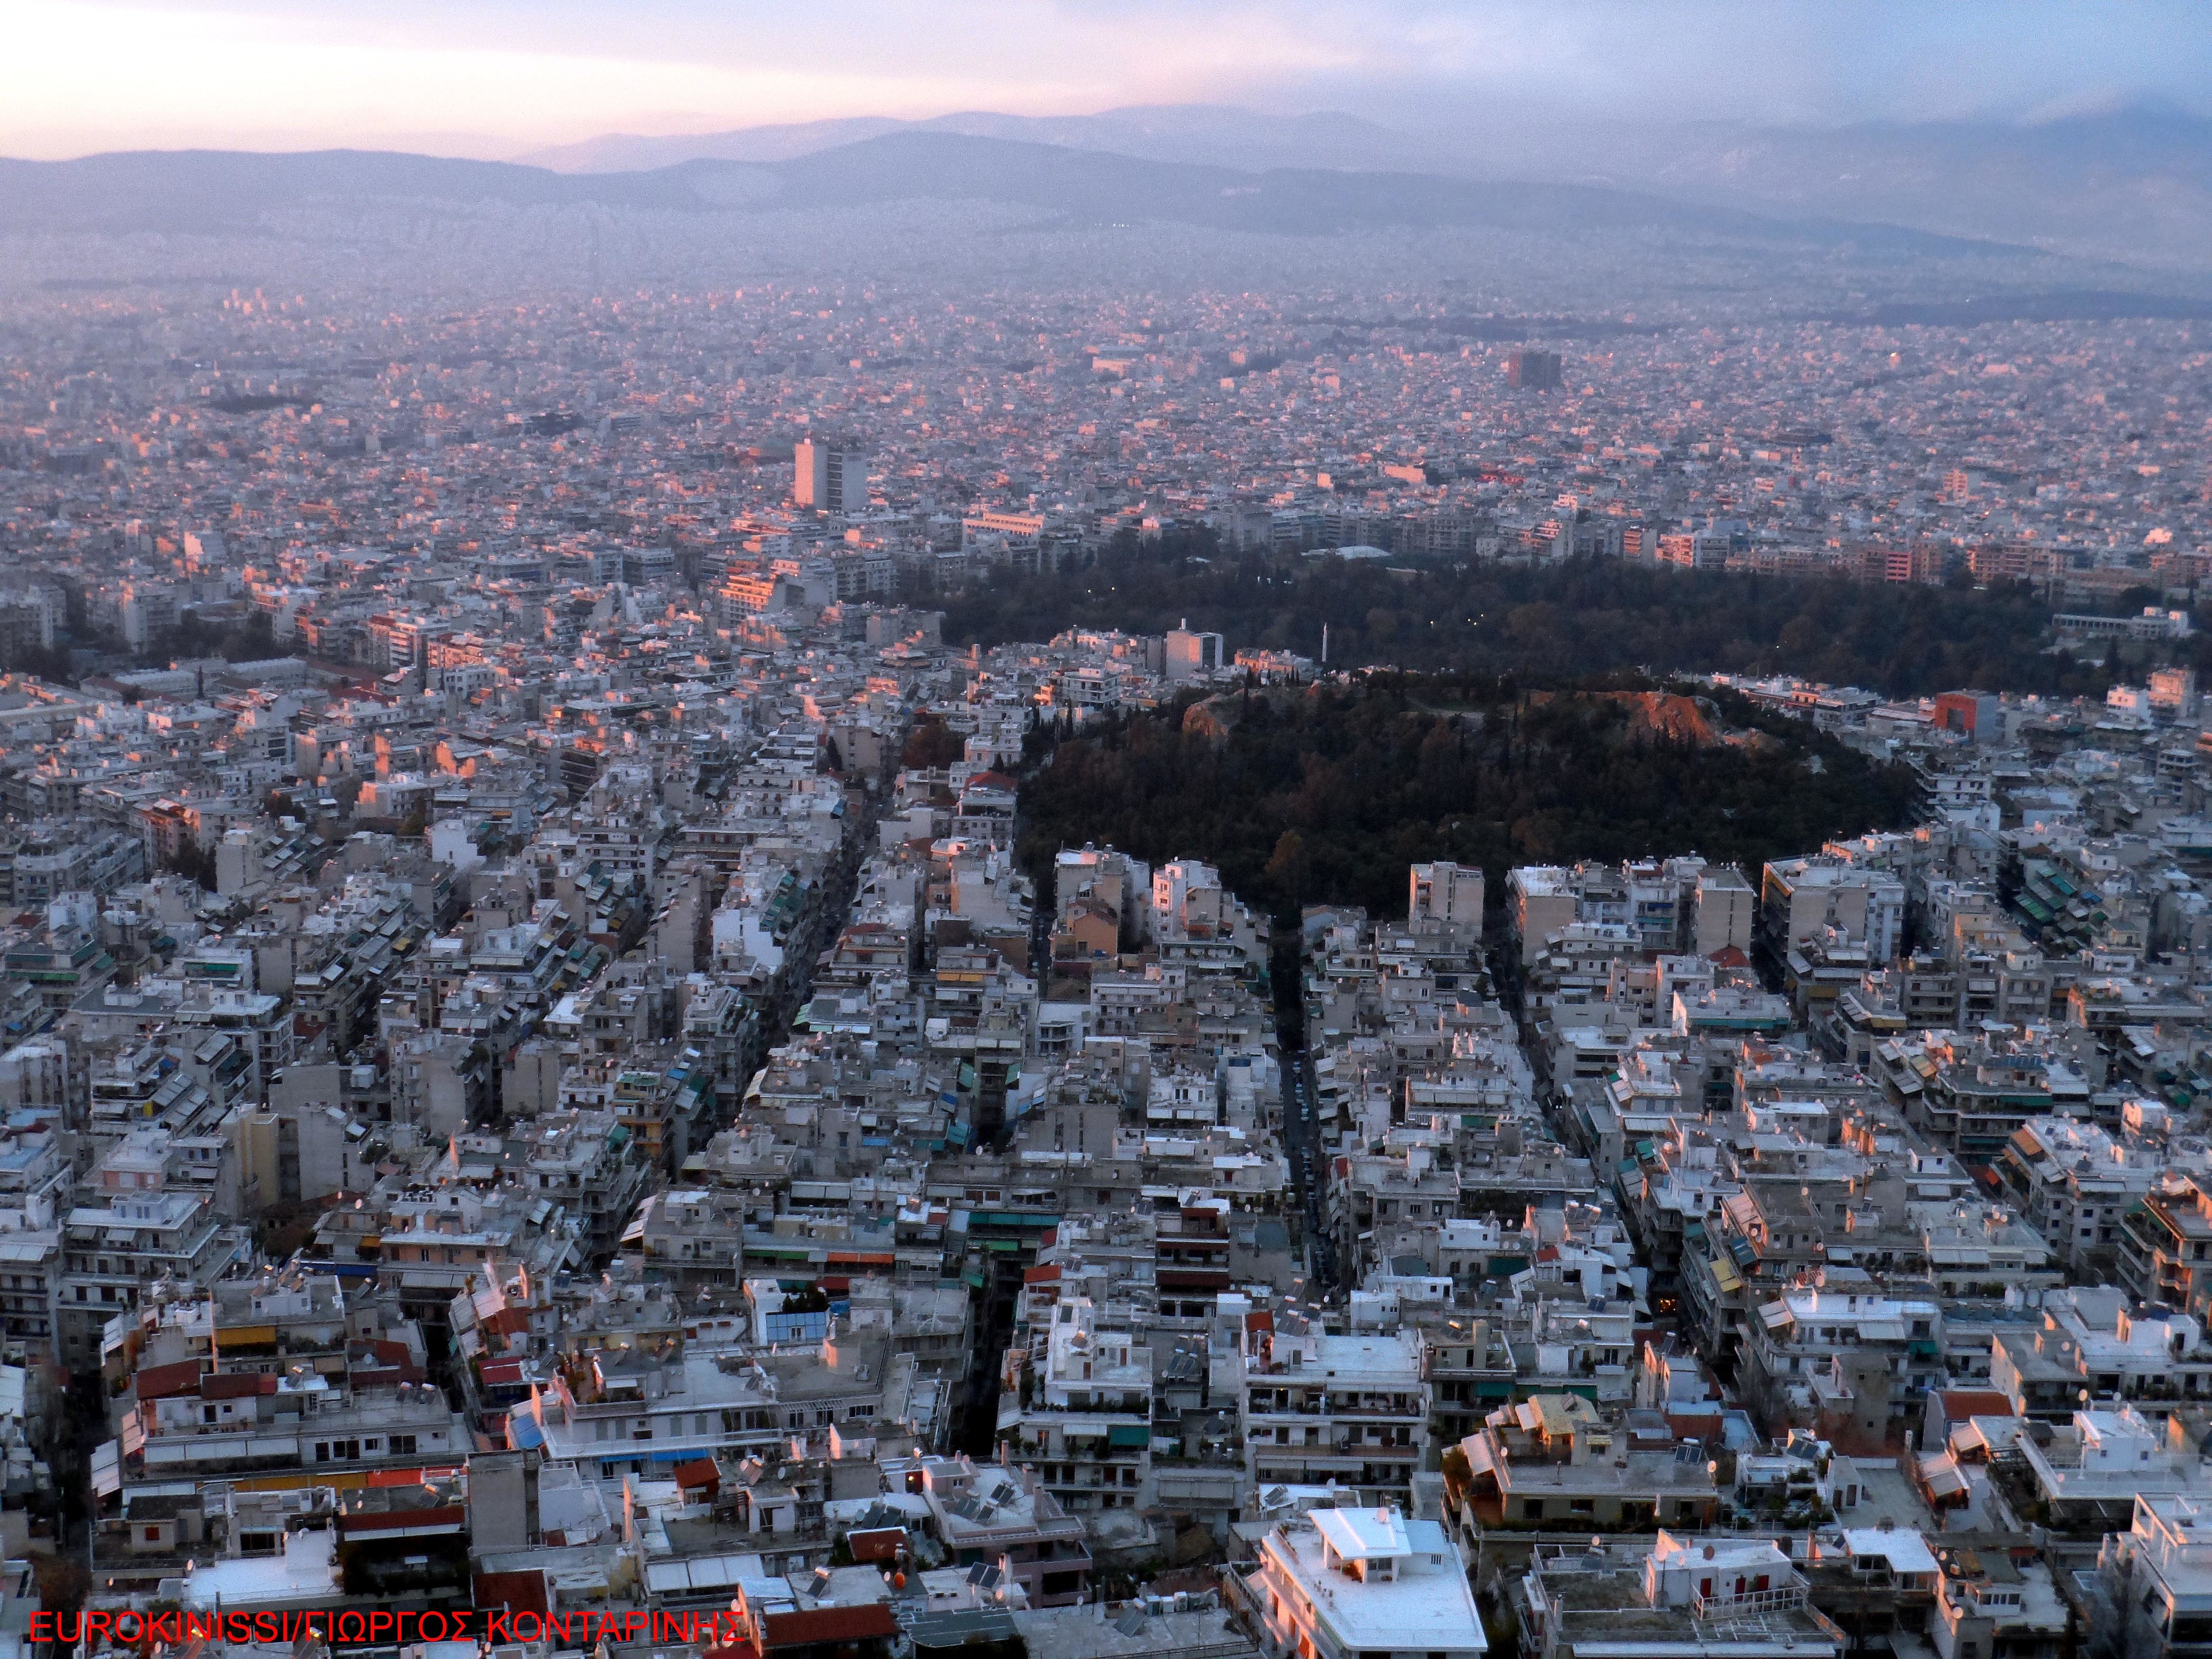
[1309, 1172]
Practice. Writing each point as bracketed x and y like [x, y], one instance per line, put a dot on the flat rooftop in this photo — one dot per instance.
[1426, 1606]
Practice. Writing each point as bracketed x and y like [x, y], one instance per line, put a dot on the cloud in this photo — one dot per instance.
[500, 76]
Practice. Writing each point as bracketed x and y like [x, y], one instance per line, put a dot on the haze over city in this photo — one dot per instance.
[1105, 830]
[499, 80]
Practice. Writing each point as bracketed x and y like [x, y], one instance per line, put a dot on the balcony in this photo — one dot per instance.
[1751, 1604]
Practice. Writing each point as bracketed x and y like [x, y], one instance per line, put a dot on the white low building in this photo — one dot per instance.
[1338, 1584]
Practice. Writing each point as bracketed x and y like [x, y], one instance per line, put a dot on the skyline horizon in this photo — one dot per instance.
[1442, 142]
[489, 82]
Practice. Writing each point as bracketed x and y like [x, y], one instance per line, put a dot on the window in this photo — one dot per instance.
[153, 1534]
[403, 1445]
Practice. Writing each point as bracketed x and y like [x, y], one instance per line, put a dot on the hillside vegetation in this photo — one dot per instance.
[1325, 794]
[1585, 617]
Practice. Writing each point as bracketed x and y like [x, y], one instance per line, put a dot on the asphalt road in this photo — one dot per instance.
[1309, 1167]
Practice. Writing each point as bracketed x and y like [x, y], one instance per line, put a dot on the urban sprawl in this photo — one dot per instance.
[535, 1083]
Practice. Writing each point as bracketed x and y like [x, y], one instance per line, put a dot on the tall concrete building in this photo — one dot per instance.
[1724, 913]
[1445, 892]
[831, 477]
[1189, 655]
[1534, 371]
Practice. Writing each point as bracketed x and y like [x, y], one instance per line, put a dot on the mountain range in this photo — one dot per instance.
[1213, 134]
[220, 191]
[2132, 187]
[2133, 184]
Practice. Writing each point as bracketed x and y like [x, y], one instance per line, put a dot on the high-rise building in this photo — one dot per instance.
[830, 476]
[1445, 892]
[1534, 371]
[1190, 655]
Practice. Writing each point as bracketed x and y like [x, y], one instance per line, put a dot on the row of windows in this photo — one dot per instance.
[728, 1422]
[1064, 1474]
[351, 1451]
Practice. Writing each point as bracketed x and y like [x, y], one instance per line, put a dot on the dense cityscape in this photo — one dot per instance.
[639, 976]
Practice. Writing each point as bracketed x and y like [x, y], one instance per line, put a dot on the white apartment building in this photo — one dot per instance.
[1087, 1426]
[2155, 1580]
[2073, 1181]
[1359, 1583]
[1800, 898]
[1349, 1409]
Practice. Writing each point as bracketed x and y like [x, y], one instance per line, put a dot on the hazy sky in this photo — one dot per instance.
[497, 78]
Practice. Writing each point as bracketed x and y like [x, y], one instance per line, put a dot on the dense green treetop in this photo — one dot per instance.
[1326, 793]
[1584, 616]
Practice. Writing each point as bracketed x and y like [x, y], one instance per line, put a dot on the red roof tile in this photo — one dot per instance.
[804, 1629]
[235, 1385]
[161, 1381]
[1973, 1402]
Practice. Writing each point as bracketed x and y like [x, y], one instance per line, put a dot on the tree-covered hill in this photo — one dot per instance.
[1325, 794]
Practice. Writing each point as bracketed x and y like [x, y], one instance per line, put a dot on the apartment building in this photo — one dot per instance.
[2155, 1580]
[1801, 898]
[1344, 1583]
[113, 1253]
[1083, 1419]
[1349, 1409]
[2166, 1246]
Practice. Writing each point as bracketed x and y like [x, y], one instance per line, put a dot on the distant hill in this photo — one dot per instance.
[1213, 135]
[2133, 184]
[1097, 185]
[629, 152]
[214, 190]
[2130, 184]
[218, 191]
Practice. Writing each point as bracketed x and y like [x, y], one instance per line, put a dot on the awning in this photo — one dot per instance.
[1940, 1473]
[1129, 1434]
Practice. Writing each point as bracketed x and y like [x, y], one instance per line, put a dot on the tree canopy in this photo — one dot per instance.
[1581, 617]
[1325, 795]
